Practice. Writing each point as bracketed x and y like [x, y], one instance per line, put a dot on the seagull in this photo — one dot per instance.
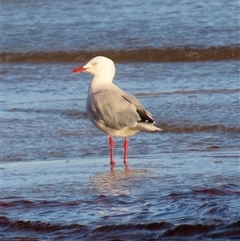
[112, 110]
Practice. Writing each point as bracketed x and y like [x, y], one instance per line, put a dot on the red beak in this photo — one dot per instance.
[79, 69]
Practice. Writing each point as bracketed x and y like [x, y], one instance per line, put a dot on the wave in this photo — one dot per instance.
[73, 113]
[37, 226]
[147, 231]
[191, 92]
[221, 191]
[216, 191]
[166, 127]
[199, 128]
[181, 54]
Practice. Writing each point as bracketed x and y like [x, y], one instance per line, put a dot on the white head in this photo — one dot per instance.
[99, 66]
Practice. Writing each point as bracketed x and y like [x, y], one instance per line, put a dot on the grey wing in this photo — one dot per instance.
[113, 109]
[145, 116]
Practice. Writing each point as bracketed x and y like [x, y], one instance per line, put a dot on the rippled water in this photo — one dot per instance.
[181, 60]
[89, 25]
[183, 182]
[166, 196]
[196, 105]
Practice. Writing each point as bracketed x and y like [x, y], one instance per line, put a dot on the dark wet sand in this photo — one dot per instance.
[187, 196]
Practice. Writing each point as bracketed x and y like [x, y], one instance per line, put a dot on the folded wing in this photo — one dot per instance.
[117, 109]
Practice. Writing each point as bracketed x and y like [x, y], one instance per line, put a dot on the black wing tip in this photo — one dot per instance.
[145, 117]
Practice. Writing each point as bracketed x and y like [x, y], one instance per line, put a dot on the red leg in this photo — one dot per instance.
[125, 145]
[111, 144]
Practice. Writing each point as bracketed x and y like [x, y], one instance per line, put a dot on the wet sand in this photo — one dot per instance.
[182, 196]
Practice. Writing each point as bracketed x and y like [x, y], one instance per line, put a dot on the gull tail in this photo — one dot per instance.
[144, 126]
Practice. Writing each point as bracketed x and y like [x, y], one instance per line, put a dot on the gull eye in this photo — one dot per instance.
[94, 63]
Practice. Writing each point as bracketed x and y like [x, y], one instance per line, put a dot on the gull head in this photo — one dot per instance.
[98, 66]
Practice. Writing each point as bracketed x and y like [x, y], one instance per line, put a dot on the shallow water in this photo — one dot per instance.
[196, 105]
[183, 182]
[181, 60]
[161, 197]
[31, 26]
[138, 31]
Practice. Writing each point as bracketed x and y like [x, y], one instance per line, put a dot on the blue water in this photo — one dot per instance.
[45, 104]
[30, 26]
[182, 183]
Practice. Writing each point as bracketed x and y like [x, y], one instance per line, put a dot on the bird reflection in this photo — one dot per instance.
[115, 190]
[117, 182]
[126, 167]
